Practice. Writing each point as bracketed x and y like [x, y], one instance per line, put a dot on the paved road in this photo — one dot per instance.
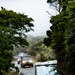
[28, 71]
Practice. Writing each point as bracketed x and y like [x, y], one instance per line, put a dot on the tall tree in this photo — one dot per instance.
[62, 35]
[13, 27]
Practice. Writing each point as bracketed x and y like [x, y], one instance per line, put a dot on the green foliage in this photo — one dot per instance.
[10, 73]
[56, 34]
[62, 35]
[36, 47]
[59, 5]
[42, 57]
[47, 41]
[13, 27]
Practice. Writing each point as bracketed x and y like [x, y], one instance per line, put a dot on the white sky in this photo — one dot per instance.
[33, 8]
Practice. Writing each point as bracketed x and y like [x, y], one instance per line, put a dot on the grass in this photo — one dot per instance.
[11, 73]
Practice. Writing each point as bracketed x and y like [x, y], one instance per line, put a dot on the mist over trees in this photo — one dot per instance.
[36, 49]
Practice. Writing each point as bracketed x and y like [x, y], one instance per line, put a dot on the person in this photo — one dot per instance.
[21, 60]
[18, 68]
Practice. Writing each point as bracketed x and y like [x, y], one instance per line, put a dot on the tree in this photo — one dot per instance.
[70, 37]
[59, 5]
[62, 35]
[13, 27]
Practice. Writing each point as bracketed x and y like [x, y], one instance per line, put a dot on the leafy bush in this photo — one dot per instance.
[42, 57]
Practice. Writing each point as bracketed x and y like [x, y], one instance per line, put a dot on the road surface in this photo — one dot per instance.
[28, 71]
[41, 70]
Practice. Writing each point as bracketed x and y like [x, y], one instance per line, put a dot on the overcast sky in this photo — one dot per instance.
[33, 8]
